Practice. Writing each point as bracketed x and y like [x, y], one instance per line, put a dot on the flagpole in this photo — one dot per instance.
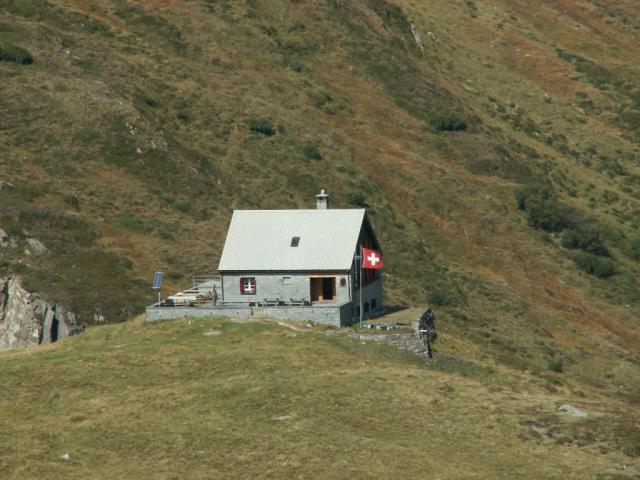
[360, 289]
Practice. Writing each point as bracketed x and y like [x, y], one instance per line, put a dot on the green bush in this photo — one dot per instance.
[448, 122]
[13, 53]
[262, 126]
[72, 201]
[312, 152]
[555, 366]
[87, 135]
[11, 227]
[543, 209]
[632, 451]
[444, 293]
[358, 199]
[129, 220]
[183, 207]
[595, 265]
[586, 239]
[633, 249]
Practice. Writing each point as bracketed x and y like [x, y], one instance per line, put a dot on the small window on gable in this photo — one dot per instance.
[248, 285]
[286, 280]
[295, 241]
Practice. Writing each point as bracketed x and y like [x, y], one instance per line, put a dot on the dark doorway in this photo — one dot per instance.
[323, 289]
[328, 288]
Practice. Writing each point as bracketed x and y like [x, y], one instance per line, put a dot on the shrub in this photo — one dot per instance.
[448, 122]
[72, 201]
[183, 207]
[543, 209]
[632, 450]
[584, 238]
[260, 125]
[87, 135]
[595, 265]
[11, 227]
[358, 199]
[312, 152]
[129, 220]
[555, 366]
[15, 54]
[633, 249]
[444, 293]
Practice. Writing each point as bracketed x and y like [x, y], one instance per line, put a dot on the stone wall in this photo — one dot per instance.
[284, 286]
[155, 313]
[337, 315]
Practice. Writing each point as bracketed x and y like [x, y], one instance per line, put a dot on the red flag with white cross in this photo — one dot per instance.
[371, 258]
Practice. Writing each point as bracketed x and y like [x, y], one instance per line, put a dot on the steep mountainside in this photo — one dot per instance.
[495, 145]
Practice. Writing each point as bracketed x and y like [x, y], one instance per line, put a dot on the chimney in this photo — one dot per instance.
[322, 200]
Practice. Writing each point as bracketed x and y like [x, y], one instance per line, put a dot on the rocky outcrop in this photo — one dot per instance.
[25, 319]
[36, 246]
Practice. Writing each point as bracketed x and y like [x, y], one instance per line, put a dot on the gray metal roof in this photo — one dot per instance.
[260, 240]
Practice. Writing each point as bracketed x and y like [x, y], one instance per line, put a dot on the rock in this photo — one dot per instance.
[212, 333]
[417, 38]
[18, 323]
[65, 456]
[47, 323]
[25, 319]
[63, 327]
[3, 237]
[284, 418]
[571, 411]
[36, 246]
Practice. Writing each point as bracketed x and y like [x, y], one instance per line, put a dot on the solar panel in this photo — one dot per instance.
[157, 280]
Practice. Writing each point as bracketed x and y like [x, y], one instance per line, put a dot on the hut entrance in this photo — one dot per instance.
[323, 288]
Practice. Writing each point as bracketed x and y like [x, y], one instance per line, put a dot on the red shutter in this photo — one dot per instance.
[241, 285]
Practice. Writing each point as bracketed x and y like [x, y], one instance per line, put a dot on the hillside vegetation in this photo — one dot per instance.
[215, 399]
[494, 144]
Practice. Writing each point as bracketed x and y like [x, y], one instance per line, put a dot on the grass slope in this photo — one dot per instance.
[497, 157]
[264, 401]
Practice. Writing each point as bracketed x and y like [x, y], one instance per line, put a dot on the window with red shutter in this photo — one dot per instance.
[248, 285]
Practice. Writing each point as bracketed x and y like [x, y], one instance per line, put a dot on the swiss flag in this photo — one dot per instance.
[371, 258]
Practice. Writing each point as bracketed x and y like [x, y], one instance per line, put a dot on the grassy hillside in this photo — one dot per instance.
[215, 399]
[495, 146]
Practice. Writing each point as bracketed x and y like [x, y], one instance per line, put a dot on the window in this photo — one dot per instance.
[366, 307]
[295, 241]
[248, 285]
[373, 304]
[286, 280]
[343, 282]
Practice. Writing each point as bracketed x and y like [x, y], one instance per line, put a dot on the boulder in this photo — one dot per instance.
[18, 323]
[571, 411]
[36, 246]
[25, 319]
[47, 324]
